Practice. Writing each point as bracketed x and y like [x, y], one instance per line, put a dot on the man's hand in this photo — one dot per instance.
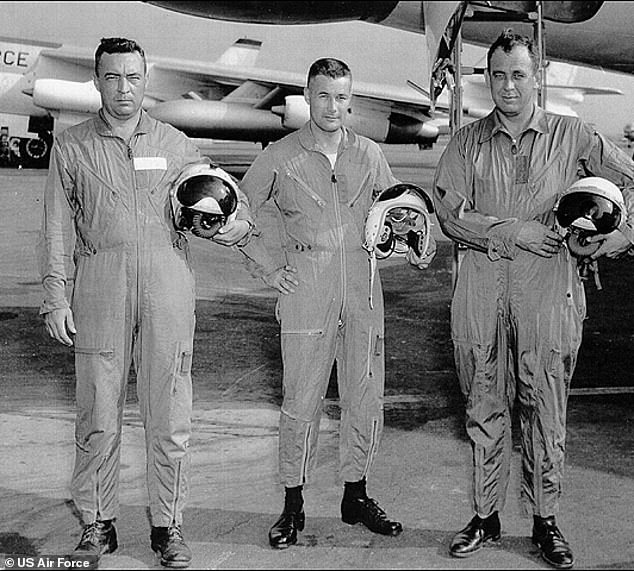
[282, 280]
[539, 239]
[232, 232]
[612, 245]
[58, 323]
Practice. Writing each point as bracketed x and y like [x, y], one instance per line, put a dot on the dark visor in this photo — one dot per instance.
[603, 213]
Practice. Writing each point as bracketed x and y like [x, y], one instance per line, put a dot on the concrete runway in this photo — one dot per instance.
[421, 475]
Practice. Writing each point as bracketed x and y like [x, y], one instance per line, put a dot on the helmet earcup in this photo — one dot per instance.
[385, 242]
[206, 225]
[579, 246]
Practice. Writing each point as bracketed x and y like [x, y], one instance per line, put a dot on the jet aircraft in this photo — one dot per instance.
[593, 32]
[233, 98]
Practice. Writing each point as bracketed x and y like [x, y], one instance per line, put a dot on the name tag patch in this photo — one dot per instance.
[150, 163]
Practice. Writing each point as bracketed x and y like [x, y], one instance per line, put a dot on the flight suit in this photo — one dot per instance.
[516, 318]
[133, 301]
[328, 318]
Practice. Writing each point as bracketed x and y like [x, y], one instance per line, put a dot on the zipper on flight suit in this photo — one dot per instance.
[352, 202]
[309, 191]
[130, 152]
[333, 181]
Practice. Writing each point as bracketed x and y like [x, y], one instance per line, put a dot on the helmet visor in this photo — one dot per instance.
[199, 188]
[588, 210]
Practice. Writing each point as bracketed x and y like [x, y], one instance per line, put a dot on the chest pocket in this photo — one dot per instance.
[500, 189]
[97, 201]
[149, 172]
[152, 178]
[297, 197]
[545, 182]
[489, 173]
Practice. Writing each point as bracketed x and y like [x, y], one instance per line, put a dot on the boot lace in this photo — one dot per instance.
[174, 534]
[374, 511]
[92, 532]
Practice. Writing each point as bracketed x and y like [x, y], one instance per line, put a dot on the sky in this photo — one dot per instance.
[375, 53]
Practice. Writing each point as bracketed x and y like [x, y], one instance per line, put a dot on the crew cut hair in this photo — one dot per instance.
[507, 40]
[330, 67]
[118, 46]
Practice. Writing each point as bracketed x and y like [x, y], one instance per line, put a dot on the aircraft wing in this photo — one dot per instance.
[585, 90]
[213, 101]
[231, 98]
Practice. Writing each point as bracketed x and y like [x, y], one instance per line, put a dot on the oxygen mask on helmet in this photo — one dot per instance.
[398, 222]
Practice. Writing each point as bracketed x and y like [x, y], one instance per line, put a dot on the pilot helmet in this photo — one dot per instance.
[590, 206]
[398, 221]
[205, 199]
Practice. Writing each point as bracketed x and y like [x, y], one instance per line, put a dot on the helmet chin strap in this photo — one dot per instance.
[372, 272]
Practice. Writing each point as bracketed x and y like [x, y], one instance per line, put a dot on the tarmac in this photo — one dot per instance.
[421, 475]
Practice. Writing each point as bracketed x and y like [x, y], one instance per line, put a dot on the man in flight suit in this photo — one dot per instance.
[519, 302]
[133, 298]
[322, 179]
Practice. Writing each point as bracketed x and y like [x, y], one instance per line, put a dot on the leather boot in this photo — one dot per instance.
[554, 548]
[169, 545]
[97, 539]
[367, 511]
[475, 535]
[284, 531]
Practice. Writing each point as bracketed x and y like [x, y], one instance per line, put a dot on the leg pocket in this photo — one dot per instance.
[180, 397]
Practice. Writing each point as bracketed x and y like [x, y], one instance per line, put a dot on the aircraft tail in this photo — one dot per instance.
[18, 56]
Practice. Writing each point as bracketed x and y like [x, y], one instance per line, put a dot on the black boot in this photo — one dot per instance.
[97, 539]
[168, 543]
[475, 535]
[554, 548]
[357, 507]
[284, 531]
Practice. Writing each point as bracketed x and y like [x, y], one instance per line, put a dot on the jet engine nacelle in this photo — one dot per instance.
[220, 120]
[66, 95]
[294, 113]
[71, 97]
[373, 123]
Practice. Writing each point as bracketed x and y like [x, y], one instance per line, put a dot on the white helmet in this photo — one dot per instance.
[398, 224]
[593, 203]
[590, 206]
[204, 199]
[398, 221]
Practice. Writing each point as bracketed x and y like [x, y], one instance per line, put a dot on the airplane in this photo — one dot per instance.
[230, 99]
[233, 98]
[593, 32]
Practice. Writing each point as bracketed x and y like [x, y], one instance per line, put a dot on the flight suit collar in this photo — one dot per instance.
[307, 139]
[104, 128]
[493, 125]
